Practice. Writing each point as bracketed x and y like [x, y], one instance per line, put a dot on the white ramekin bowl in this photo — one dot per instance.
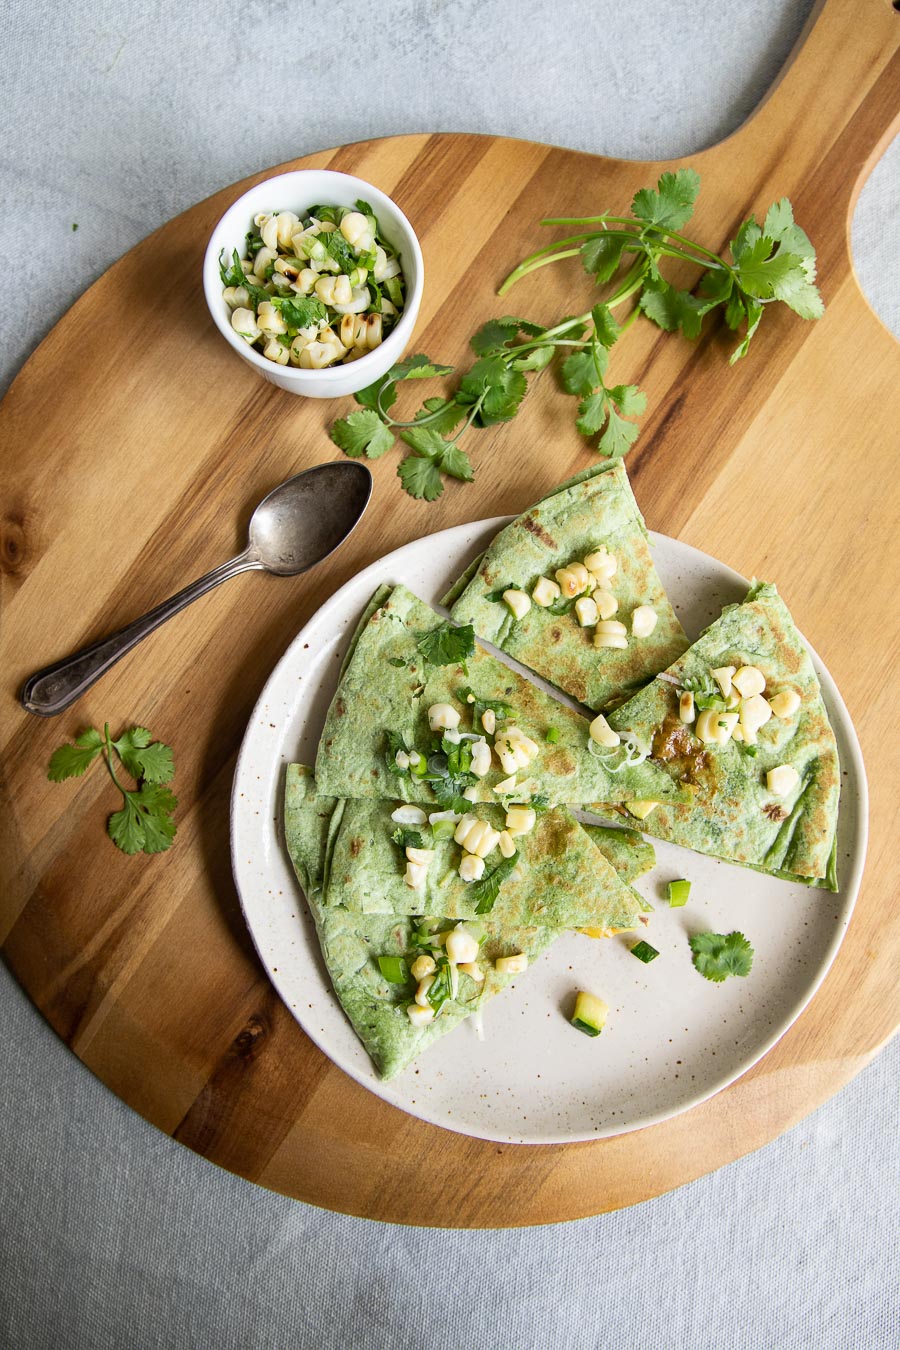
[297, 191]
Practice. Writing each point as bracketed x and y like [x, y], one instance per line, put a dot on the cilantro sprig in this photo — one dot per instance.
[764, 264]
[145, 822]
[718, 955]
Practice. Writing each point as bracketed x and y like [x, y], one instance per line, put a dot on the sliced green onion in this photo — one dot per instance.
[394, 969]
[443, 829]
[552, 735]
[678, 893]
[644, 952]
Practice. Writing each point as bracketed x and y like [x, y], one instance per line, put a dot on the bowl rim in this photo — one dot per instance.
[330, 374]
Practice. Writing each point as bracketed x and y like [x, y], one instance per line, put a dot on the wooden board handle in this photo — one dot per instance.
[835, 106]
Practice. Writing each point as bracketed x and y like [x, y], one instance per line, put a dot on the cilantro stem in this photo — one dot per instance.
[108, 754]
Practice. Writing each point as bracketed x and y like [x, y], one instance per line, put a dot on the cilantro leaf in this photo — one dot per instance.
[126, 829]
[443, 414]
[303, 312]
[447, 645]
[486, 891]
[606, 329]
[579, 374]
[152, 762]
[425, 441]
[718, 955]
[601, 255]
[495, 386]
[420, 477]
[382, 394]
[155, 803]
[456, 463]
[593, 412]
[404, 837]
[672, 204]
[619, 436]
[362, 433]
[418, 367]
[629, 399]
[71, 761]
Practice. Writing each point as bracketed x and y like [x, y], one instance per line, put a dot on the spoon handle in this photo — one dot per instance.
[55, 688]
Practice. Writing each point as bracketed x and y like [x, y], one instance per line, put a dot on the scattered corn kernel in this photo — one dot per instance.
[520, 819]
[473, 970]
[507, 844]
[602, 564]
[415, 875]
[441, 716]
[409, 815]
[785, 703]
[755, 713]
[422, 966]
[586, 611]
[606, 603]
[511, 965]
[573, 580]
[686, 710]
[749, 680]
[422, 856]
[481, 758]
[643, 621]
[489, 721]
[518, 603]
[782, 780]
[507, 787]
[461, 946]
[545, 592]
[471, 868]
[420, 1017]
[722, 676]
[601, 732]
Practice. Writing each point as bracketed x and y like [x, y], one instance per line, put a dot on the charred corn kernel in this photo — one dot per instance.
[348, 329]
[573, 580]
[640, 809]
[268, 318]
[287, 267]
[520, 820]
[481, 758]
[236, 297]
[441, 715]
[755, 713]
[243, 321]
[545, 592]
[420, 1017]
[748, 680]
[473, 970]
[343, 291]
[264, 257]
[722, 676]
[268, 229]
[471, 868]
[423, 856]
[306, 279]
[586, 611]
[507, 787]
[373, 330]
[782, 779]
[785, 703]
[461, 946]
[643, 621]
[602, 564]
[686, 710]
[489, 721]
[511, 965]
[277, 352]
[507, 845]
[422, 966]
[415, 875]
[354, 227]
[422, 988]
[601, 732]
[518, 603]
[297, 346]
[606, 603]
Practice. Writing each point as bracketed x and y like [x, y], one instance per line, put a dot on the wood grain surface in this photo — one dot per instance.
[134, 447]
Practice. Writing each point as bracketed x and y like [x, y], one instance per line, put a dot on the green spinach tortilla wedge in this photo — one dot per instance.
[594, 511]
[352, 943]
[558, 878]
[767, 789]
[380, 740]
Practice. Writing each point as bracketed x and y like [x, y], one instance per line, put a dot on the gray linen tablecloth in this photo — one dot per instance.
[118, 116]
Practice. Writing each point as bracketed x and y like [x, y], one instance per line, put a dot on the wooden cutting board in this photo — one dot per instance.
[134, 446]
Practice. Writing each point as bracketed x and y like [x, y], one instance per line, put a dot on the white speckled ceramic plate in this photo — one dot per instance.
[672, 1038]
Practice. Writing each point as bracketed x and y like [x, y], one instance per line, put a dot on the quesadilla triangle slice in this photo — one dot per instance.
[581, 570]
[412, 684]
[759, 751]
[557, 878]
[352, 944]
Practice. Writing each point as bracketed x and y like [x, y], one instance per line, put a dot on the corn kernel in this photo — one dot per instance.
[643, 621]
[606, 603]
[422, 966]
[545, 592]
[722, 676]
[782, 780]
[520, 820]
[442, 716]
[641, 809]
[586, 611]
[686, 710]
[461, 946]
[518, 603]
[601, 732]
[420, 1017]
[785, 703]
[511, 965]
[507, 844]
[471, 868]
[749, 680]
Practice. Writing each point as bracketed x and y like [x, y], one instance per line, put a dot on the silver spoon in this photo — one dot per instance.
[297, 525]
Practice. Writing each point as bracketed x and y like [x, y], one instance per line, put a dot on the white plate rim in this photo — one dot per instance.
[373, 575]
